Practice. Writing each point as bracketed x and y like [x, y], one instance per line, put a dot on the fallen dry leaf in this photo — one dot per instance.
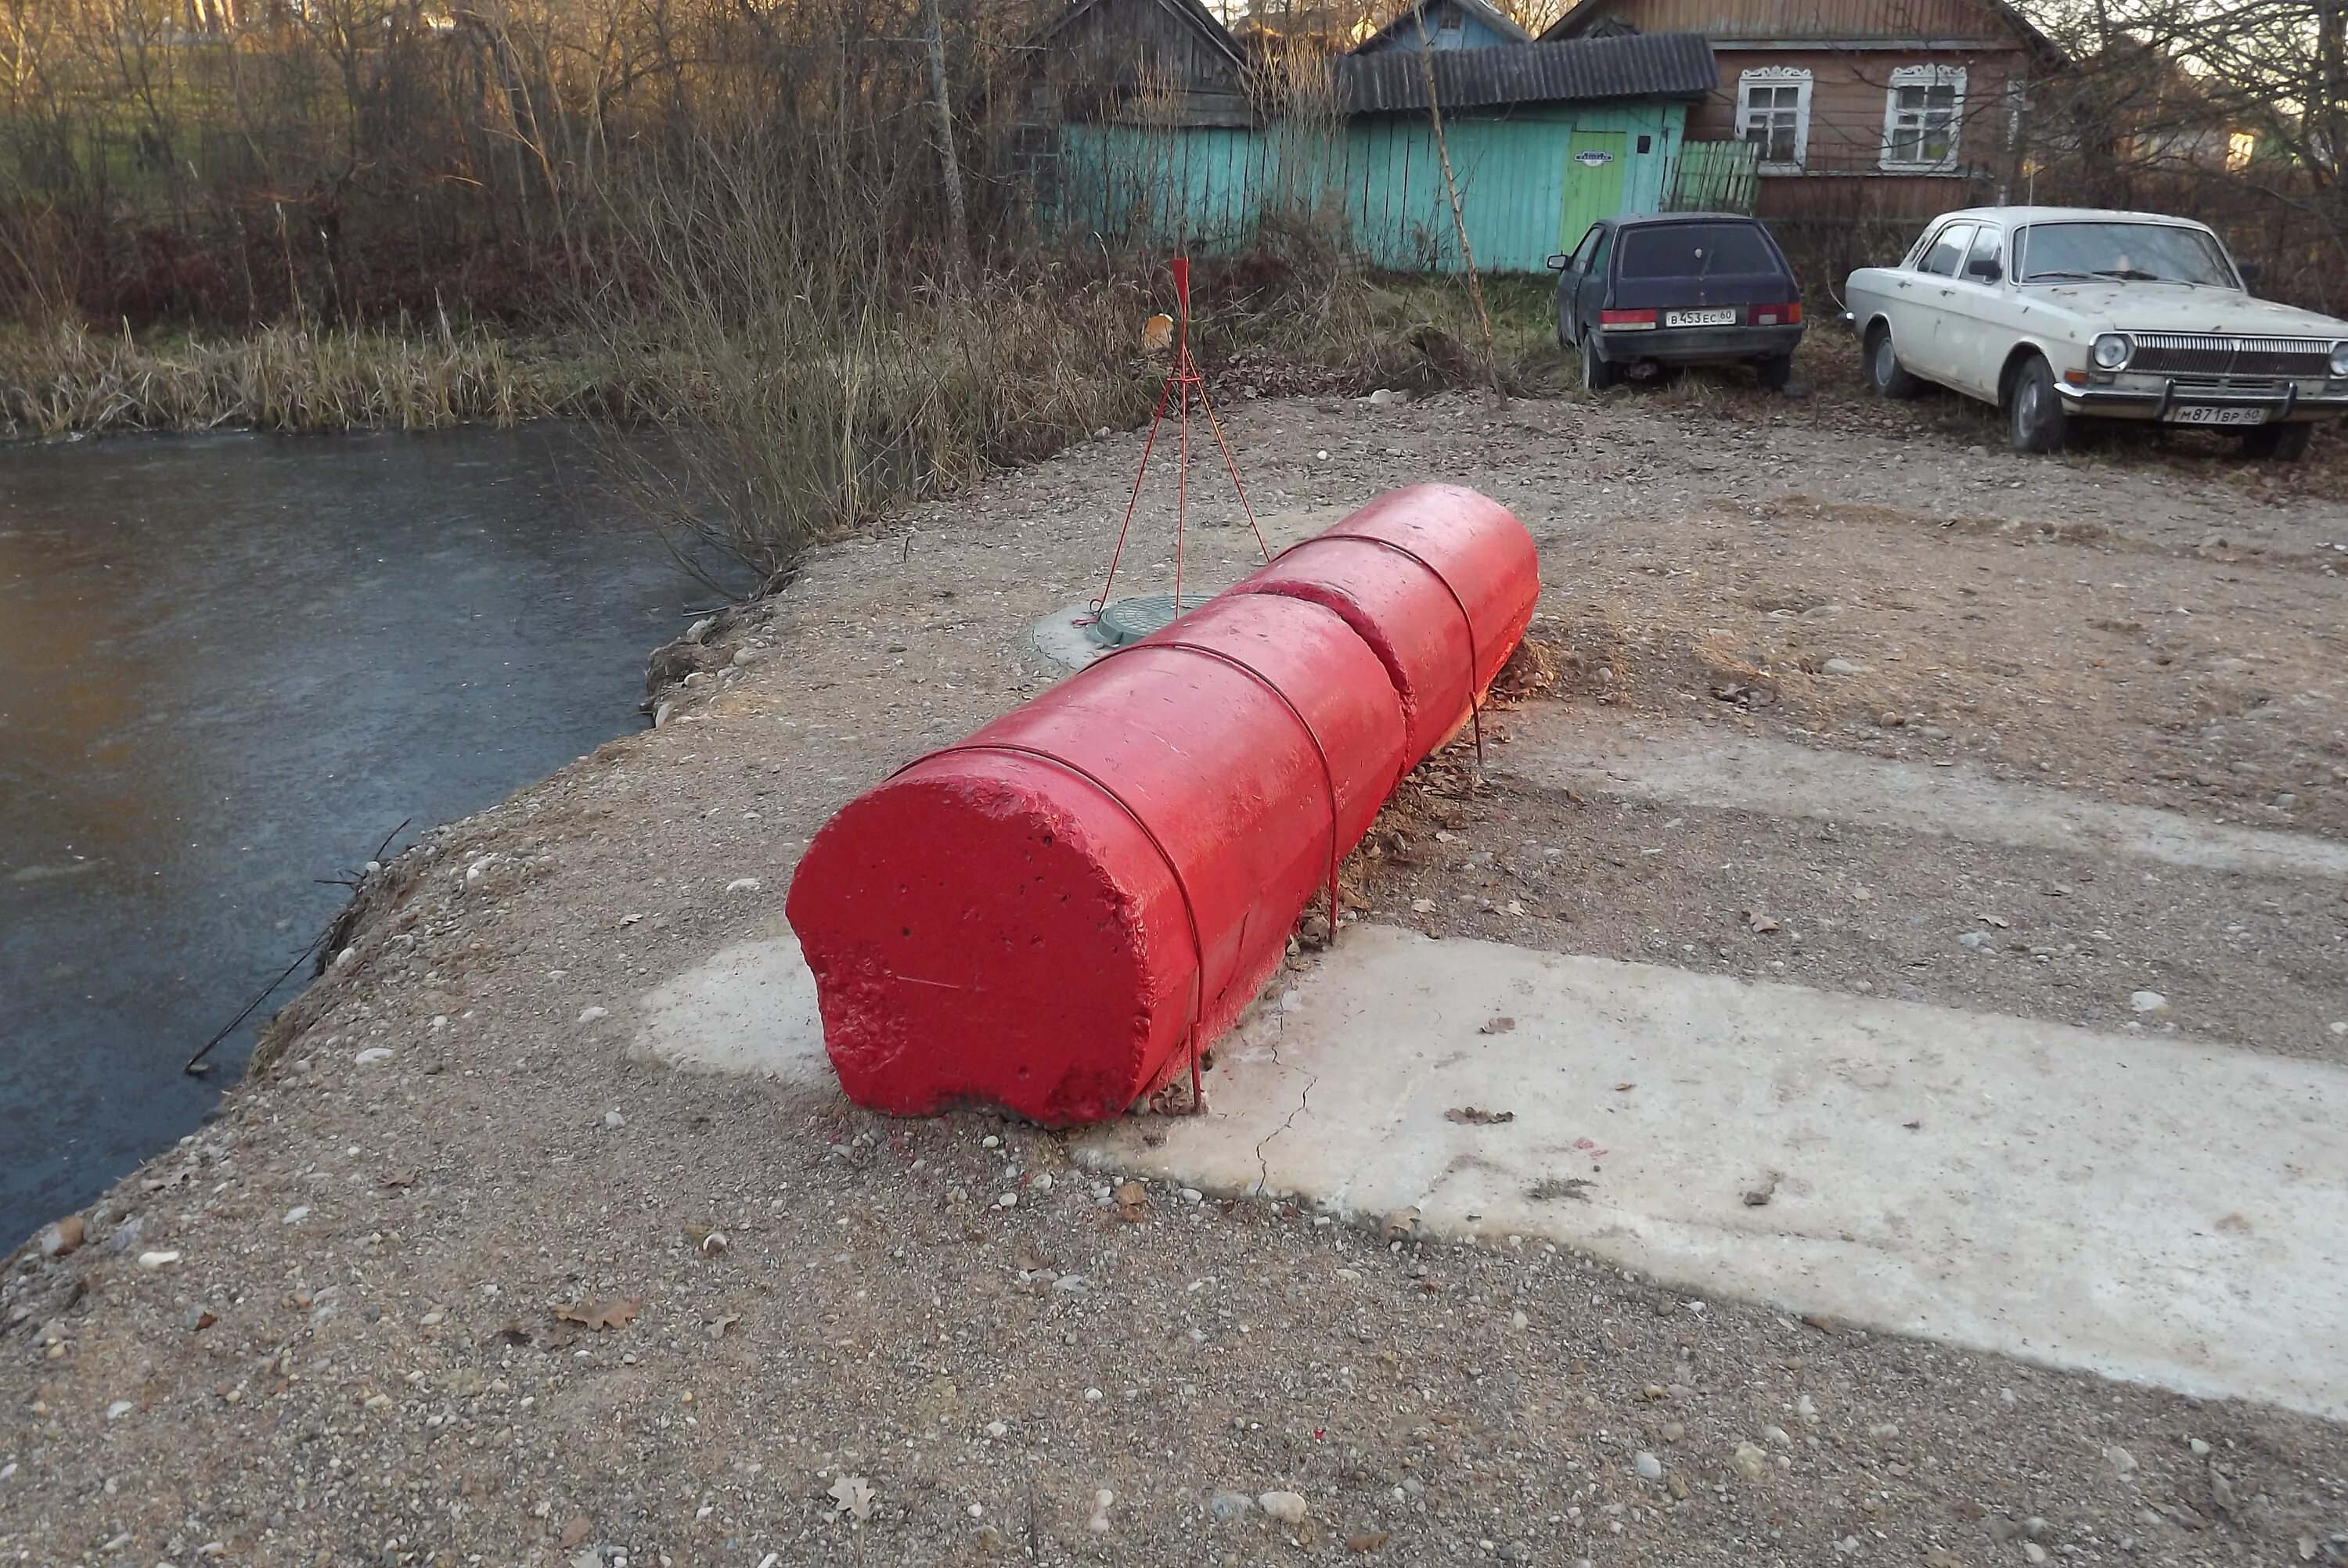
[1624, 1088]
[1758, 923]
[854, 1495]
[575, 1534]
[1132, 1201]
[1498, 1026]
[1368, 1540]
[597, 1315]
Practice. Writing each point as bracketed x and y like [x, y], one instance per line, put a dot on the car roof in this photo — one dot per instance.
[2012, 215]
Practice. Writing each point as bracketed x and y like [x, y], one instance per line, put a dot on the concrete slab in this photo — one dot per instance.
[1063, 637]
[749, 1010]
[2151, 1210]
[1701, 765]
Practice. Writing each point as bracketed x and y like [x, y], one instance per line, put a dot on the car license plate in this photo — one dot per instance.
[2206, 414]
[1699, 318]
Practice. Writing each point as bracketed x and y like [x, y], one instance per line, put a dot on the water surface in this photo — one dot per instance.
[230, 667]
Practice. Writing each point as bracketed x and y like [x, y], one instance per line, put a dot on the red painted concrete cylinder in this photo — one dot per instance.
[1439, 581]
[1035, 918]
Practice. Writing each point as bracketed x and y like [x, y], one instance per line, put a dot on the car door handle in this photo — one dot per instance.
[1903, 282]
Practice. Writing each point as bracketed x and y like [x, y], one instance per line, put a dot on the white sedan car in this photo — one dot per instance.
[2058, 312]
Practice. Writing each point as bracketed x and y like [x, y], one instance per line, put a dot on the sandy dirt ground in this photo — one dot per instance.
[464, 1280]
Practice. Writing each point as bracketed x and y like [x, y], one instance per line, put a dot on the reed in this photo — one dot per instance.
[62, 377]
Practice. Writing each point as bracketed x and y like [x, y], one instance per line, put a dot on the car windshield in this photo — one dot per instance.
[2131, 252]
[1694, 250]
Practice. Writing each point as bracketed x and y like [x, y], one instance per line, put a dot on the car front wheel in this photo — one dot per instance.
[2035, 417]
[1884, 372]
[2282, 443]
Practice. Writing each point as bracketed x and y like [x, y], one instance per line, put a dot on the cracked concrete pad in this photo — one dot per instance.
[2163, 1212]
[1692, 764]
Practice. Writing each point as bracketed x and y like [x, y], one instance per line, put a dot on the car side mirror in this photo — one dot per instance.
[2252, 271]
[1986, 268]
[1559, 263]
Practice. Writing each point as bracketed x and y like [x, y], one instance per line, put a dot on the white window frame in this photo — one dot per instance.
[1924, 77]
[1794, 76]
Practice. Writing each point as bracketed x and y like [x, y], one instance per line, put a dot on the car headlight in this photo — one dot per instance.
[2111, 351]
[2340, 359]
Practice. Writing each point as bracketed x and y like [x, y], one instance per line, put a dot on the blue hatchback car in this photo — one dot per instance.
[1678, 287]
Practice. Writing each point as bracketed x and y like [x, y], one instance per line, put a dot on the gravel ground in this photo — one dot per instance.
[459, 1280]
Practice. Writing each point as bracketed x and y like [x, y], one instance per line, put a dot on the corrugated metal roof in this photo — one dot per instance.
[1640, 65]
[1797, 21]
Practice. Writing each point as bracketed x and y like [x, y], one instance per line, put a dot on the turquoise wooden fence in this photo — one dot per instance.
[1523, 177]
[1715, 177]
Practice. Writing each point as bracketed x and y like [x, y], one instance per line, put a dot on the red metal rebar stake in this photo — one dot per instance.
[1182, 381]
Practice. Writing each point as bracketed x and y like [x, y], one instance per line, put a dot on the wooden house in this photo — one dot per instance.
[1444, 24]
[1138, 62]
[1894, 107]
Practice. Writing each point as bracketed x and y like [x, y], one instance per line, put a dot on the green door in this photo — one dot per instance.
[1594, 182]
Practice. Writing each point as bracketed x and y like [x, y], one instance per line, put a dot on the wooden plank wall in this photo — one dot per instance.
[1378, 177]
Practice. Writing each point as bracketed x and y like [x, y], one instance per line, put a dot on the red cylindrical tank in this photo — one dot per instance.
[1440, 581]
[1043, 916]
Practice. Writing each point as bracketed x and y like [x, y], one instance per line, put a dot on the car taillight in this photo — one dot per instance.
[1777, 315]
[1631, 319]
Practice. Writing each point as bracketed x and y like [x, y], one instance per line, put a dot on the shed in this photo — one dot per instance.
[1543, 139]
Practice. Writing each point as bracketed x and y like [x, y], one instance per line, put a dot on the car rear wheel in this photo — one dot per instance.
[1775, 372]
[1884, 372]
[1597, 372]
[2282, 443]
[2035, 417]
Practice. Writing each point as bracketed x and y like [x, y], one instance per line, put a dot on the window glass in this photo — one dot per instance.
[1605, 252]
[1923, 124]
[1587, 250]
[1986, 261]
[1923, 117]
[1947, 249]
[2131, 252]
[1771, 111]
[1696, 249]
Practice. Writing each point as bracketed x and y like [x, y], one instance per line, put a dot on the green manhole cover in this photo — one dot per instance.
[1129, 620]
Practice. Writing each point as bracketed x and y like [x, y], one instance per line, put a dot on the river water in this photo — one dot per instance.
[230, 667]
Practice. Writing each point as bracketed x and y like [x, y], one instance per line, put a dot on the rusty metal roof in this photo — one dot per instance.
[1639, 65]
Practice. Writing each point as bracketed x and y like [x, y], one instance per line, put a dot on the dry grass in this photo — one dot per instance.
[63, 378]
[791, 426]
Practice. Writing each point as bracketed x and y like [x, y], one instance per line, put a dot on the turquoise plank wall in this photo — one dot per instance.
[1382, 174]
